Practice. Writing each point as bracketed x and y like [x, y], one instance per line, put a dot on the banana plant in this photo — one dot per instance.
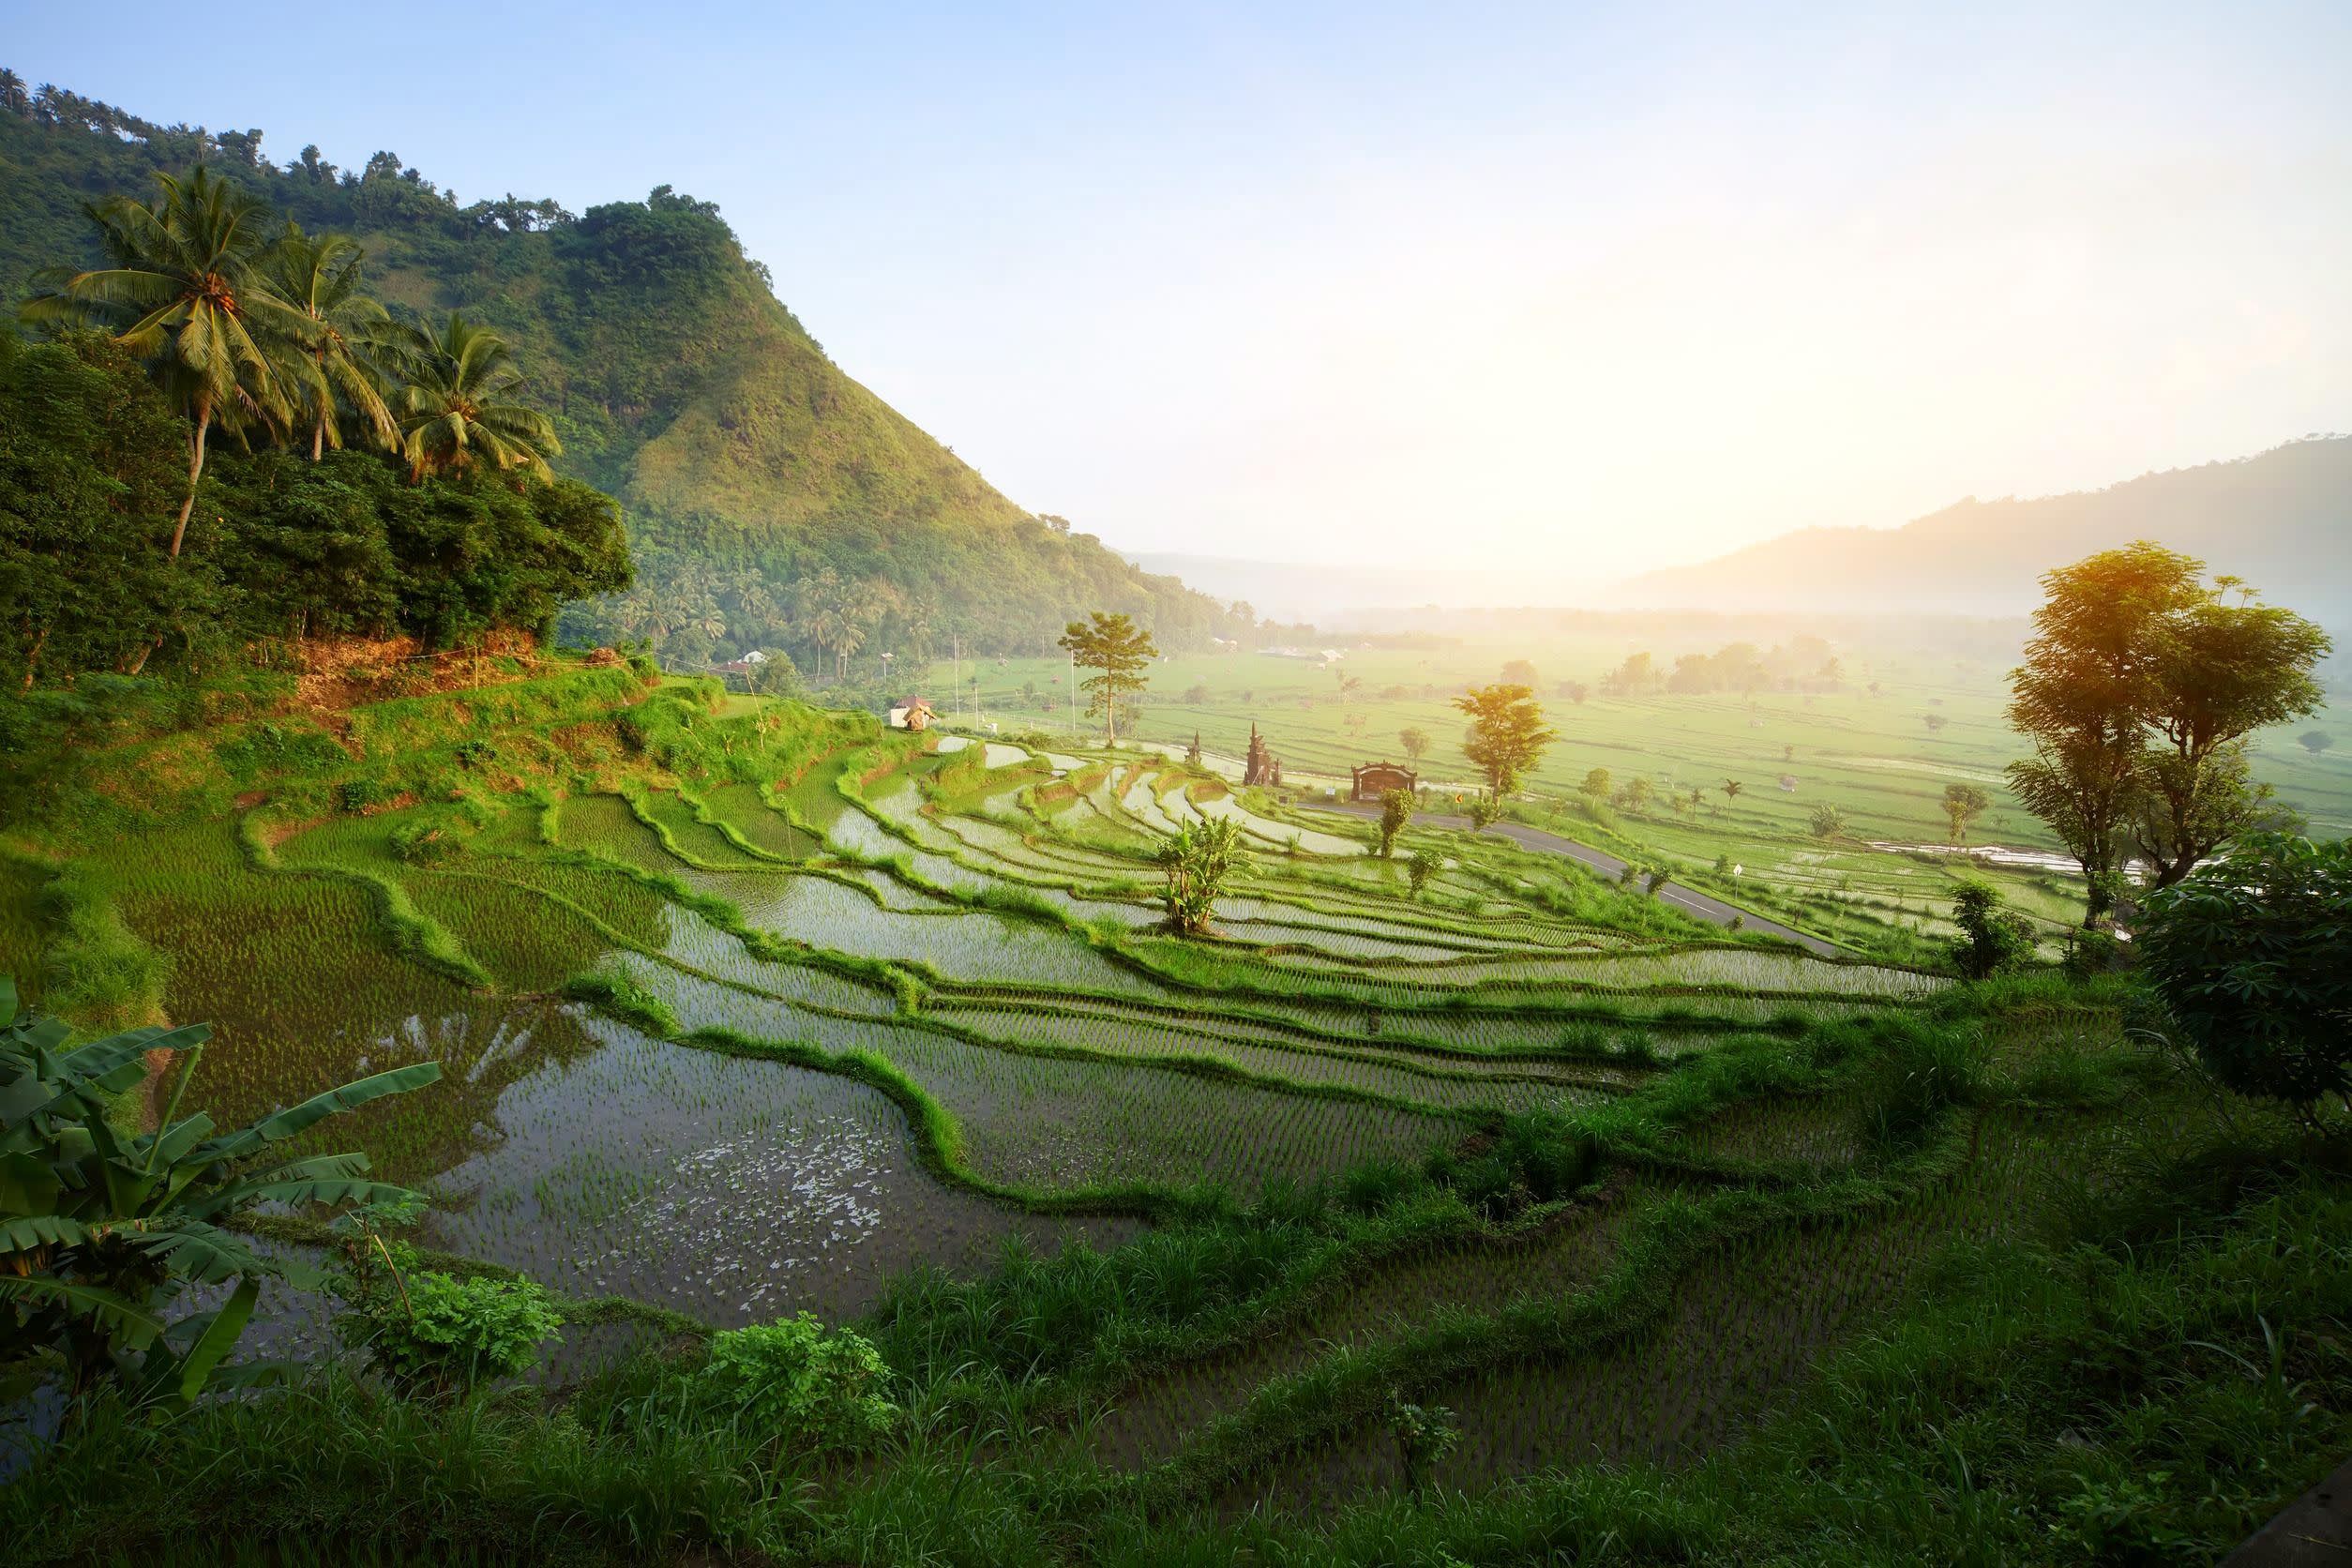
[101, 1231]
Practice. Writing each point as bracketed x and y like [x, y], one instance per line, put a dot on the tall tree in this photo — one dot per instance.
[1415, 741]
[1506, 734]
[319, 275]
[2137, 691]
[186, 292]
[1120, 650]
[2219, 671]
[452, 411]
[1963, 805]
[2079, 696]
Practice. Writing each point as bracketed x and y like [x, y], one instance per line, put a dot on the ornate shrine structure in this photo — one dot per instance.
[1260, 766]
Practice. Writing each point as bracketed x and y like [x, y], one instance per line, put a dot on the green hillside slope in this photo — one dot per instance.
[748, 460]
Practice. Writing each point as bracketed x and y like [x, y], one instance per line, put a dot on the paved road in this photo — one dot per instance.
[1686, 899]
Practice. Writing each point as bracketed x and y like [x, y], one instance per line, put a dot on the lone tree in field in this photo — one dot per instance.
[1121, 651]
[1423, 863]
[1964, 803]
[1506, 733]
[2254, 957]
[1415, 742]
[1396, 809]
[2139, 689]
[2314, 742]
[1731, 787]
[1197, 861]
[1520, 672]
[1935, 722]
[1828, 822]
[1596, 785]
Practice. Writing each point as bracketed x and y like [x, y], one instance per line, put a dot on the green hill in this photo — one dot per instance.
[748, 462]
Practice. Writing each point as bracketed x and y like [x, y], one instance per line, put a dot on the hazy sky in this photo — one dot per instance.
[1587, 289]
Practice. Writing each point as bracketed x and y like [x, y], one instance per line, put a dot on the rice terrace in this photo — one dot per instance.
[607, 956]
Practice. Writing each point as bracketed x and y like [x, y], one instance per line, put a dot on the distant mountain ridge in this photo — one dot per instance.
[741, 454]
[2282, 520]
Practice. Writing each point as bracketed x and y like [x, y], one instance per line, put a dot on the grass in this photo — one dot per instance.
[749, 1008]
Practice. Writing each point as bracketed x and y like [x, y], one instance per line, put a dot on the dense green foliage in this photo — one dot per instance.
[101, 1231]
[746, 460]
[808, 1387]
[2253, 954]
[1993, 940]
[436, 1336]
[279, 548]
[1397, 810]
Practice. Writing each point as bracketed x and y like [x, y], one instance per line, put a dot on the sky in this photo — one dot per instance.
[1560, 291]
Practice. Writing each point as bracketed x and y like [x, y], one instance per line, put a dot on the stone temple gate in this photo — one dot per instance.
[1375, 780]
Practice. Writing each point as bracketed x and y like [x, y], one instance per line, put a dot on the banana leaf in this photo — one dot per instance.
[26, 1231]
[27, 1185]
[123, 1317]
[295, 1119]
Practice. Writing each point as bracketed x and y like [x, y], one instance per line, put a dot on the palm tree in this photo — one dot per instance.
[817, 600]
[187, 293]
[318, 275]
[449, 412]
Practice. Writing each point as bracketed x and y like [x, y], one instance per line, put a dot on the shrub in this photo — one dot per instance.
[1396, 809]
[1425, 1435]
[1992, 939]
[435, 1335]
[1197, 861]
[2252, 955]
[2090, 953]
[1422, 865]
[1828, 822]
[426, 841]
[810, 1389]
[361, 795]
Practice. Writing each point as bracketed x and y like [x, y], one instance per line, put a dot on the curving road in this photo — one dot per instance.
[1688, 901]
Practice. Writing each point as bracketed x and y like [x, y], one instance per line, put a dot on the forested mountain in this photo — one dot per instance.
[2280, 518]
[769, 499]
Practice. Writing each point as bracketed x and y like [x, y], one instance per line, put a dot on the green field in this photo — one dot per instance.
[1870, 754]
[746, 1009]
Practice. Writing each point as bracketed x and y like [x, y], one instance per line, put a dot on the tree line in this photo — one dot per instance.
[224, 436]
